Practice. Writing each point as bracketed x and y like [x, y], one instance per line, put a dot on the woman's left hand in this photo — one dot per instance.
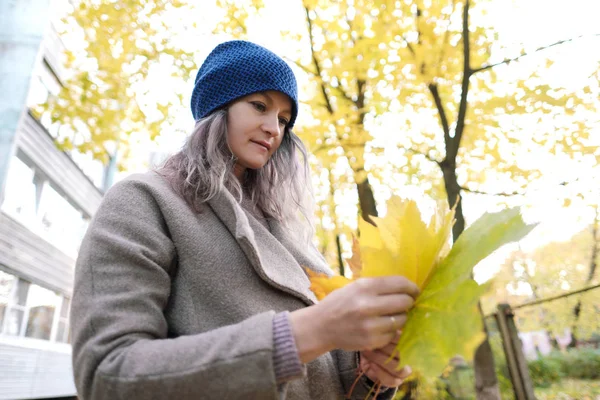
[378, 366]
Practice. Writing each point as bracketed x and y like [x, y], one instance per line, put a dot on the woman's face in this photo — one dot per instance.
[255, 127]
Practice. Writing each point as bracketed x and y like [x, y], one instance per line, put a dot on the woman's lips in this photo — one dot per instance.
[263, 145]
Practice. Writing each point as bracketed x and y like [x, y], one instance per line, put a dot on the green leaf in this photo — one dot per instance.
[445, 320]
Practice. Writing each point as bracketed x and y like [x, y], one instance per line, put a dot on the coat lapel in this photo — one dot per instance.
[274, 257]
[306, 255]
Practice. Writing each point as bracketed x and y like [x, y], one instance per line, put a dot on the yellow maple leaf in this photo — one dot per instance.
[321, 284]
[354, 262]
[402, 243]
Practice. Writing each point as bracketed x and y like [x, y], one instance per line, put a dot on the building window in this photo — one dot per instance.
[41, 305]
[16, 308]
[63, 225]
[7, 282]
[20, 193]
[29, 310]
[62, 332]
[33, 201]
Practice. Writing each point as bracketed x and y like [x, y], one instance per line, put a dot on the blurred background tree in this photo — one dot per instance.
[427, 83]
[114, 49]
[551, 270]
[396, 95]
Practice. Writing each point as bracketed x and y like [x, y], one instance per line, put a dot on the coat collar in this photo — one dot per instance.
[275, 256]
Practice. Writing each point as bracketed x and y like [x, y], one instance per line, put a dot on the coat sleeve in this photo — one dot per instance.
[347, 361]
[120, 344]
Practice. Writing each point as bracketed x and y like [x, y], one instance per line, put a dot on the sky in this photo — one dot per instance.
[534, 23]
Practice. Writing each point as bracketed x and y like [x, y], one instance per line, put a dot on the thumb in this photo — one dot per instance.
[365, 364]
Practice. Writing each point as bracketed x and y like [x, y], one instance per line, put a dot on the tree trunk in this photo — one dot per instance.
[453, 195]
[589, 279]
[486, 382]
[366, 200]
[338, 246]
[545, 324]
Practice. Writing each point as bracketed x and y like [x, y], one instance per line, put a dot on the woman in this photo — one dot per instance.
[190, 280]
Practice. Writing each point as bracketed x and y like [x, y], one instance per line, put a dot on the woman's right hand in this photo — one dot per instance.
[363, 315]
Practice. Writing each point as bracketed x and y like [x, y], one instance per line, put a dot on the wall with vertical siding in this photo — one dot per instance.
[34, 369]
[27, 255]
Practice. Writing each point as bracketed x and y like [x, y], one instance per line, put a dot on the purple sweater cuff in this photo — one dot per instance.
[286, 360]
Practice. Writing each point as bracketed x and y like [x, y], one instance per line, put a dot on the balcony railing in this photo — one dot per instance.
[36, 146]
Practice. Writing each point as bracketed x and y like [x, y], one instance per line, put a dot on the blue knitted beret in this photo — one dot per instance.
[238, 68]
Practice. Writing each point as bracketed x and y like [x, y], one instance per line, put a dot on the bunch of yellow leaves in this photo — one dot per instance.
[445, 319]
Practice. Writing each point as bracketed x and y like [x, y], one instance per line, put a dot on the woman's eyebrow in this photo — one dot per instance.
[271, 100]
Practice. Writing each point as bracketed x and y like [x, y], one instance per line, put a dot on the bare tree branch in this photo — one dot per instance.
[316, 62]
[485, 67]
[427, 156]
[419, 13]
[240, 24]
[310, 104]
[508, 194]
[342, 92]
[565, 183]
[330, 146]
[409, 46]
[560, 296]
[302, 67]
[446, 39]
[361, 85]
[442, 112]
[595, 246]
[503, 194]
[452, 151]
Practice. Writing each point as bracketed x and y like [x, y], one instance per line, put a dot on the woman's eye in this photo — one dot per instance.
[283, 121]
[259, 106]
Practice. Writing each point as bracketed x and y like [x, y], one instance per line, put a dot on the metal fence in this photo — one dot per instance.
[507, 328]
[512, 333]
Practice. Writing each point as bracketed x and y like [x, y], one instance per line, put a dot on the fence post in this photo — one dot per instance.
[513, 348]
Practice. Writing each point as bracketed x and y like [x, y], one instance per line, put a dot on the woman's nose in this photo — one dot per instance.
[271, 125]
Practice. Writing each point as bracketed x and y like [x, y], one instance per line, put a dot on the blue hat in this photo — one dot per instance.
[238, 68]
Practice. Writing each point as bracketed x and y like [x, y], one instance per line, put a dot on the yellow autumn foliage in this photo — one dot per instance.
[105, 99]
[404, 244]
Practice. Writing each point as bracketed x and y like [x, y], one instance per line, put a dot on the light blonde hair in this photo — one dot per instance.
[281, 189]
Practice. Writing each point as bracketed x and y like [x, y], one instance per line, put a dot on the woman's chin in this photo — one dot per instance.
[254, 164]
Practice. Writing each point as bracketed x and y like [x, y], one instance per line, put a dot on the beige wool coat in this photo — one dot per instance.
[171, 304]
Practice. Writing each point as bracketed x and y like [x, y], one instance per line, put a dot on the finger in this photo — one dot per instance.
[389, 350]
[390, 304]
[405, 372]
[376, 373]
[387, 324]
[379, 338]
[364, 363]
[389, 285]
[389, 364]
